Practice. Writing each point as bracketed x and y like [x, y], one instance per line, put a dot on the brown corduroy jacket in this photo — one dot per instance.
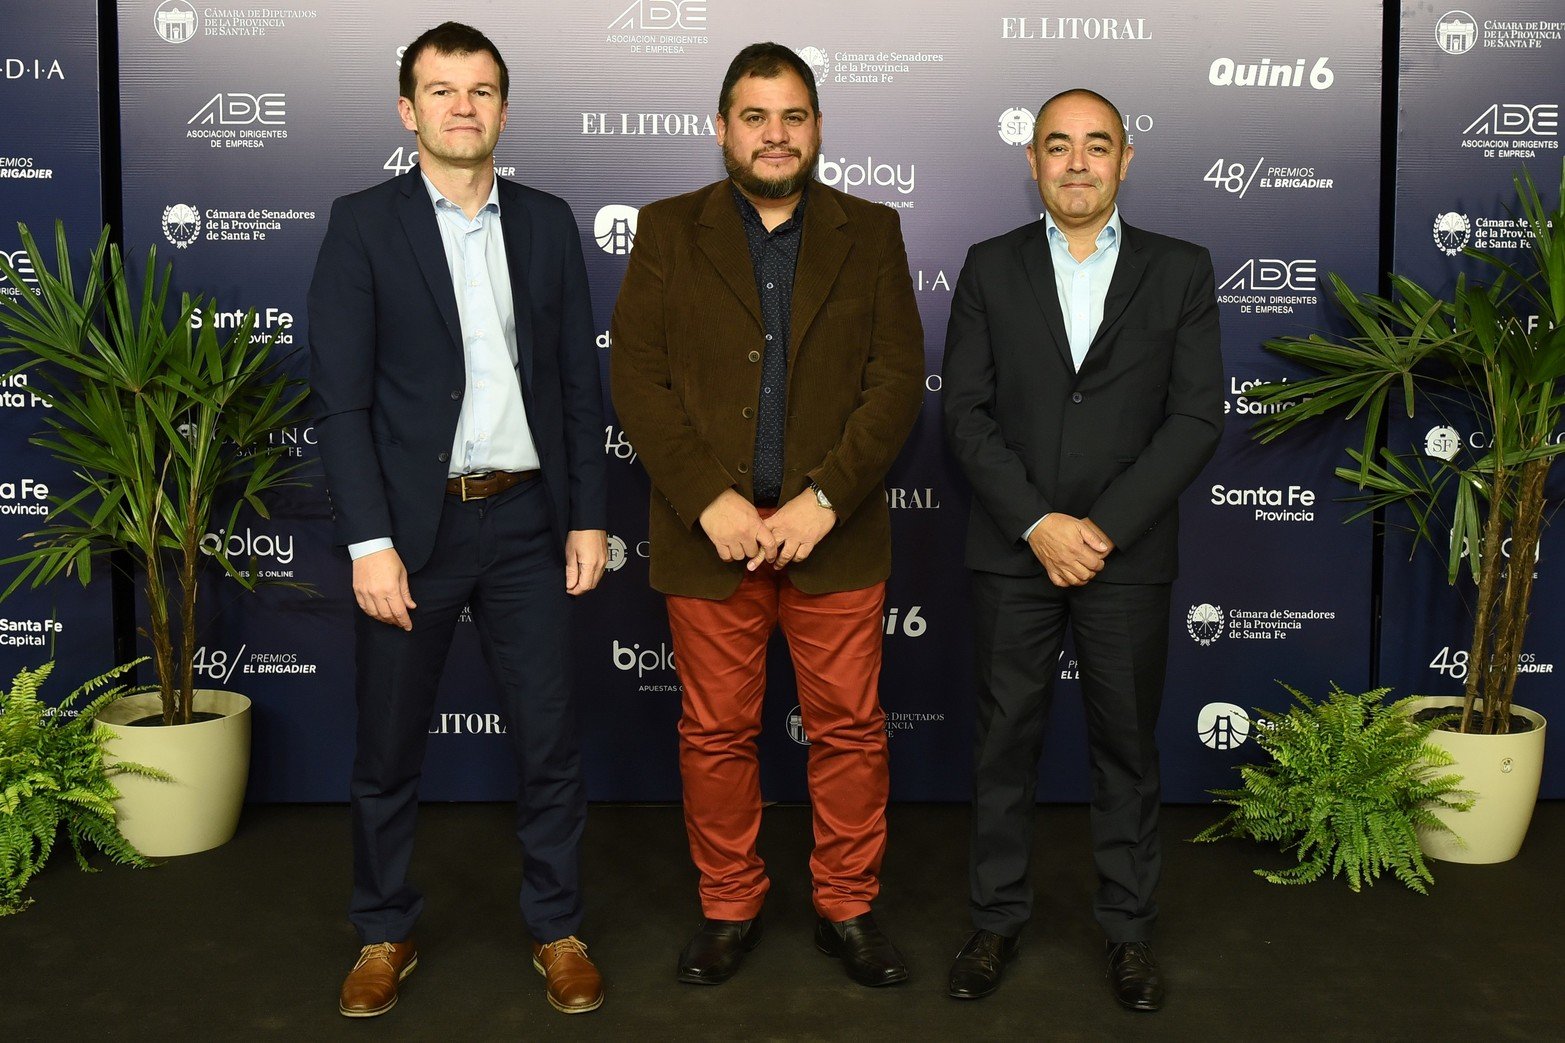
[686, 376]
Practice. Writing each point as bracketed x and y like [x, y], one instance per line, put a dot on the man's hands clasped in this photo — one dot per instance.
[790, 534]
[1071, 550]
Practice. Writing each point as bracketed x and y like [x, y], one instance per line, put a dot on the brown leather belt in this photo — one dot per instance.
[478, 486]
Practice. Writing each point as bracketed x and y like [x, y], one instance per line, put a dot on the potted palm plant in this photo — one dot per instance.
[166, 426]
[1493, 351]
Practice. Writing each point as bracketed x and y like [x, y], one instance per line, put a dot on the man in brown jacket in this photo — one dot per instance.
[768, 362]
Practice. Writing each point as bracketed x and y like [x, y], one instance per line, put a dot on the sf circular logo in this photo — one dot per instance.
[181, 224]
[617, 554]
[1222, 726]
[1442, 443]
[1016, 126]
[817, 60]
[1451, 232]
[1205, 623]
[796, 726]
[176, 21]
[615, 228]
[1456, 32]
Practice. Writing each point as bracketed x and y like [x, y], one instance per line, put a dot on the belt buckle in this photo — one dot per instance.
[483, 476]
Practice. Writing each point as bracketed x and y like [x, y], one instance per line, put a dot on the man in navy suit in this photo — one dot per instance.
[1083, 393]
[460, 413]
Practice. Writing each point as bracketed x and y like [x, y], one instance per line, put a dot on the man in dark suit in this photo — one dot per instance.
[767, 365]
[460, 410]
[1083, 393]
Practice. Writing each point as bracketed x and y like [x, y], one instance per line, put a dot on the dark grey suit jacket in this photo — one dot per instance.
[1116, 442]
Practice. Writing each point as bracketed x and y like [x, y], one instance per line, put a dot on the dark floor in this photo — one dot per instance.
[249, 942]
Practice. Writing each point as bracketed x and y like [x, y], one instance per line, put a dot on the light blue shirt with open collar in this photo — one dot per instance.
[491, 431]
[1083, 286]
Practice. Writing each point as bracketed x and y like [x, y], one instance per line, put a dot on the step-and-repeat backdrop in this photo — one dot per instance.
[1480, 93]
[1257, 131]
[49, 170]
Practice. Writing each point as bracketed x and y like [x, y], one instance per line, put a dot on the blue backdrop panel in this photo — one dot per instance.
[1254, 128]
[1480, 93]
[49, 169]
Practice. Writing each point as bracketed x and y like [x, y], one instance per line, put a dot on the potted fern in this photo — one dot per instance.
[167, 427]
[1352, 782]
[54, 779]
[1494, 351]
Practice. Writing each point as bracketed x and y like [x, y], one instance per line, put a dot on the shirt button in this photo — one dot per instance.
[766, 391]
[744, 468]
[1076, 396]
[771, 286]
[747, 412]
[768, 336]
[755, 356]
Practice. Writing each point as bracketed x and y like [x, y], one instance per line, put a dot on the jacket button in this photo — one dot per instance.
[747, 412]
[456, 394]
[744, 468]
[444, 457]
[755, 356]
[1076, 396]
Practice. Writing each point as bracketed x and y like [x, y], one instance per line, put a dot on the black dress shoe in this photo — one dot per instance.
[976, 971]
[717, 950]
[1133, 976]
[866, 953]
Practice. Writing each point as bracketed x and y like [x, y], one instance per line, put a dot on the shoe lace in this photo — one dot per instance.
[1134, 952]
[376, 951]
[568, 944]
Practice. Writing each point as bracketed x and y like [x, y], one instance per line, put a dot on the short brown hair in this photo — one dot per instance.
[450, 38]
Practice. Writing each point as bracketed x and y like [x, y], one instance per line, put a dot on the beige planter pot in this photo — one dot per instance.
[1503, 772]
[210, 762]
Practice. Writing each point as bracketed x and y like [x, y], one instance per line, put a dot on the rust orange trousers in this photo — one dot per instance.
[720, 653]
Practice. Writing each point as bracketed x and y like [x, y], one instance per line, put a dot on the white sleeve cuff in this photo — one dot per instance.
[363, 547]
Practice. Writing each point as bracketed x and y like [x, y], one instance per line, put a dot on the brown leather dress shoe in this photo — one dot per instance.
[574, 984]
[371, 987]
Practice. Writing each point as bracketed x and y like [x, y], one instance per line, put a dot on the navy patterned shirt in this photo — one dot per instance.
[774, 255]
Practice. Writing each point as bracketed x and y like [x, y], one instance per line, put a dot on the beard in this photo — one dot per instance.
[746, 178]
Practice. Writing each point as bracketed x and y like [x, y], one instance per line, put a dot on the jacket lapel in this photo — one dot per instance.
[720, 235]
[1122, 285]
[419, 223]
[516, 227]
[1039, 267]
[821, 253]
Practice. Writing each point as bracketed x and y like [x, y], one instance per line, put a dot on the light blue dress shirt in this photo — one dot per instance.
[491, 431]
[1083, 286]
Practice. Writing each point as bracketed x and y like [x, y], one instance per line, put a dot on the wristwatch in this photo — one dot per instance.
[820, 498]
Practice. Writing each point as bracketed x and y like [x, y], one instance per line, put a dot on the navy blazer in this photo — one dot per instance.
[1116, 442]
[387, 371]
